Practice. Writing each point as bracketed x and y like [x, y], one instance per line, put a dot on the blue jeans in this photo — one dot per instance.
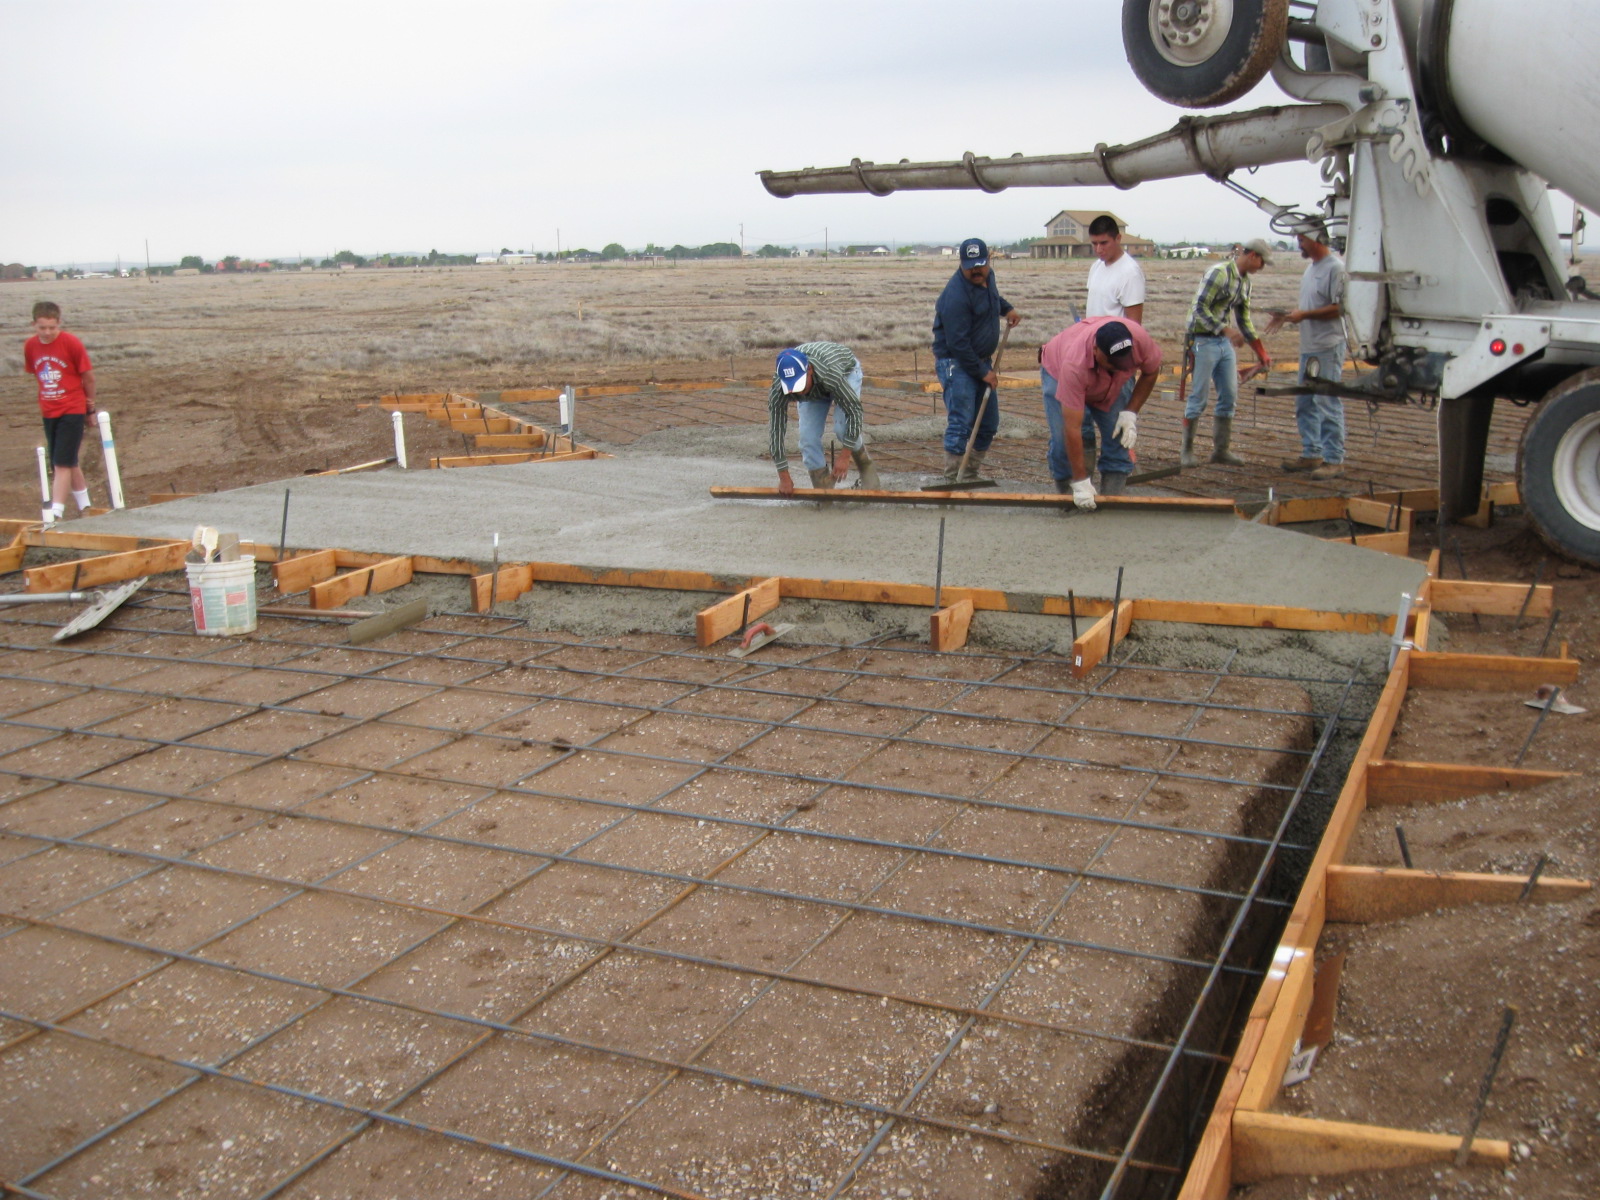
[962, 394]
[1321, 418]
[1113, 455]
[814, 422]
[1215, 365]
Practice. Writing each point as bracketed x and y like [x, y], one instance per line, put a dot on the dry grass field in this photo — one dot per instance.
[218, 381]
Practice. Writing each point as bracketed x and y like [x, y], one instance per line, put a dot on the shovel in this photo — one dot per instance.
[955, 485]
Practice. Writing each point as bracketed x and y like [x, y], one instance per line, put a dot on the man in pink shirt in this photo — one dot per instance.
[1084, 369]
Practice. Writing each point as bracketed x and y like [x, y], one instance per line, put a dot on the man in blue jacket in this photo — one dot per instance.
[966, 330]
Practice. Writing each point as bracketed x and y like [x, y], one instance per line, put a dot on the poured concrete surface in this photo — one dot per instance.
[642, 513]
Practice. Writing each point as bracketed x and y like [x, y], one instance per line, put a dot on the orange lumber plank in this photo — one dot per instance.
[1371, 894]
[368, 581]
[1488, 672]
[11, 556]
[300, 572]
[1384, 514]
[1392, 781]
[527, 440]
[947, 628]
[724, 617]
[108, 568]
[514, 580]
[1097, 641]
[164, 497]
[1269, 1145]
[1495, 599]
[481, 424]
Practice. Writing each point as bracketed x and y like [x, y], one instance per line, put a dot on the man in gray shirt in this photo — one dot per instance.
[1322, 350]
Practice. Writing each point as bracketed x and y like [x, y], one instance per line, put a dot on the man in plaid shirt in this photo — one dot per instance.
[1224, 294]
[819, 375]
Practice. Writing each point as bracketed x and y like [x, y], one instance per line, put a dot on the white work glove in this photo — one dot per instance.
[1127, 430]
[1083, 494]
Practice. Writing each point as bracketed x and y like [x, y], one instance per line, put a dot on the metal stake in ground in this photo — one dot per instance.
[1405, 850]
[1533, 877]
[1538, 578]
[1544, 643]
[283, 531]
[1507, 1020]
[938, 571]
[494, 574]
[1116, 603]
[1072, 613]
[1537, 721]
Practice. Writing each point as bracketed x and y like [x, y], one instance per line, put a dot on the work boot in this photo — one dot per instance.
[1113, 483]
[974, 468]
[1187, 457]
[865, 470]
[822, 477]
[1298, 466]
[1221, 438]
[952, 464]
[1329, 471]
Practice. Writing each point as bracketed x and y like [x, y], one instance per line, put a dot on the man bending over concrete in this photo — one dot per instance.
[1084, 369]
[819, 375]
[966, 331]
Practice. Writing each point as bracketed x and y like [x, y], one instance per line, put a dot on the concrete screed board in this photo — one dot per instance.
[641, 513]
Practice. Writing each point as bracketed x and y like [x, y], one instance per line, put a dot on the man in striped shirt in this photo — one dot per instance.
[1224, 295]
[820, 376]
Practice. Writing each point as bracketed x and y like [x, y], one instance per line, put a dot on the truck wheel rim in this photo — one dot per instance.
[1576, 471]
[1188, 32]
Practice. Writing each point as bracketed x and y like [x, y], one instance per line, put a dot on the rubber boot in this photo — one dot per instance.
[1113, 483]
[822, 478]
[974, 470]
[867, 472]
[952, 464]
[1187, 457]
[1221, 438]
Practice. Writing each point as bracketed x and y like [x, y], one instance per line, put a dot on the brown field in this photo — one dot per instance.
[219, 381]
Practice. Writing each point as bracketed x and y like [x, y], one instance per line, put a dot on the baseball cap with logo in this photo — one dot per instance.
[792, 367]
[1259, 246]
[974, 253]
[1117, 343]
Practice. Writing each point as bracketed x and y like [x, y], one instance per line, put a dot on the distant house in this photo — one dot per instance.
[13, 271]
[1067, 236]
[867, 251]
[517, 259]
[1187, 252]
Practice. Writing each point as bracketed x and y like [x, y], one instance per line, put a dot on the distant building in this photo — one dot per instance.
[518, 259]
[186, 271]
[866, 251]
[1067, 236]
[1187, 252]
[13, 271]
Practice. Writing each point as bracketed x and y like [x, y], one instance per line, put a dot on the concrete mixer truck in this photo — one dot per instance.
[1440, 127]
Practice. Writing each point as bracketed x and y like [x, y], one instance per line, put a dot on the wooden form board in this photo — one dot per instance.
[107, 568]
[1392, 781]
[1366, 895]
[1385, 543]
[164, 497]
[11, 557]
[490, 460]
[365, 581]
[499, 441]
[1488, 672]
[1491, 599]
[1266, 1145]
[300, 572]
[948, 627]
[1094, 643]
[726, 616]
[498, 587]
[978, 499]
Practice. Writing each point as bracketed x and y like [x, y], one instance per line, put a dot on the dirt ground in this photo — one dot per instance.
[217, 382]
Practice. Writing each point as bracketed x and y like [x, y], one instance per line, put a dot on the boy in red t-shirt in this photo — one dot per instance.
[66, 398]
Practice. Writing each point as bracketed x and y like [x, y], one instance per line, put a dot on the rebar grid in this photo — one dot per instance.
[690, 883]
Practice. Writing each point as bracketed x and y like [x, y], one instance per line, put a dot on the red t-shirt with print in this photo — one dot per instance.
[59, 366]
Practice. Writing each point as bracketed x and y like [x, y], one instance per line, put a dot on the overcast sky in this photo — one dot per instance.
[270, 129]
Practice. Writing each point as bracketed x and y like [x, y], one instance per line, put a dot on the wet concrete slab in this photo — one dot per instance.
[655, 513]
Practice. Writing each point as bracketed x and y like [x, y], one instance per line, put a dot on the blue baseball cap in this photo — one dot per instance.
[974, 253]
[792, 368]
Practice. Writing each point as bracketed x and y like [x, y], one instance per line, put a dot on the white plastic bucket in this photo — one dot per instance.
[223, 596]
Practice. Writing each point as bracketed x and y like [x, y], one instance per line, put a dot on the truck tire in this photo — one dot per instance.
[1202, 53]
[1558, 468]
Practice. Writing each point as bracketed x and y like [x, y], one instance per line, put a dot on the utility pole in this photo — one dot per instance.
[741, 239]
[824, 241]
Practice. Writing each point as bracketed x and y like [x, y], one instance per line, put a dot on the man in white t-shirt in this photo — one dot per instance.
[1116, 289]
